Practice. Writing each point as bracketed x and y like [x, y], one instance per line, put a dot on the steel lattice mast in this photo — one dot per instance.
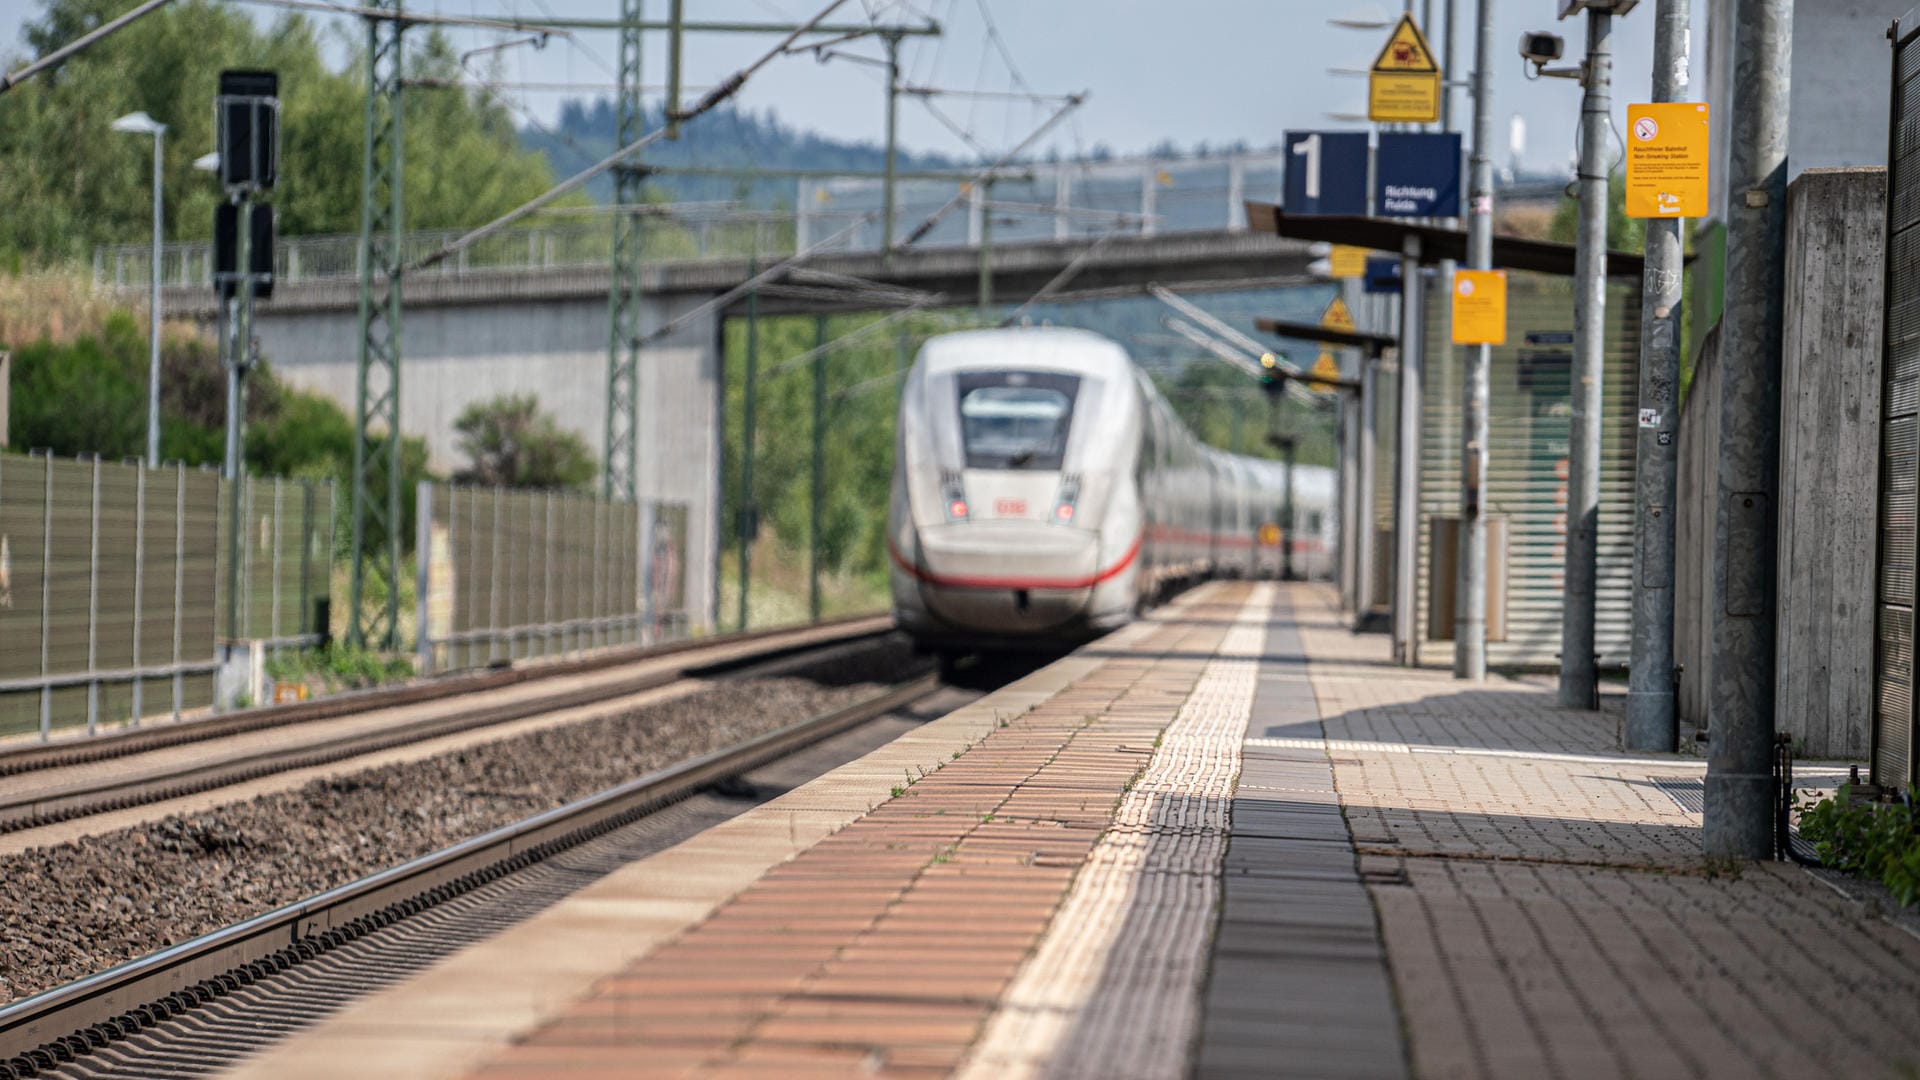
[376, 441]
[623, 299]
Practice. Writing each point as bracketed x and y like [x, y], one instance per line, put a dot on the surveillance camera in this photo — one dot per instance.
[1541, 48]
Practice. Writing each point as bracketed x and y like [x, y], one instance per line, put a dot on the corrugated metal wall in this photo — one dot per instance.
[1526, 462]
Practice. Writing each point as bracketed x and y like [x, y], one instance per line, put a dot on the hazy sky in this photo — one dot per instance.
[1213, 70]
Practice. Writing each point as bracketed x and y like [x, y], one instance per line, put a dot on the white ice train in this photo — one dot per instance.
[1044, 492]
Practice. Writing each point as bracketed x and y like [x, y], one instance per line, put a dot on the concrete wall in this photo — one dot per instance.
[1829, 474]
[556, 349]
[1842, 64]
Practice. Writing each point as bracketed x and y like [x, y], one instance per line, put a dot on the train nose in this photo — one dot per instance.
[1006, 576]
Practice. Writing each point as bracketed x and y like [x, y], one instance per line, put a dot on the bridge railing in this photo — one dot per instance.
[1057, 201]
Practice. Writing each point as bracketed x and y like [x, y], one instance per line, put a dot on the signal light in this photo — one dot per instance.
[957, 509]
[1064, 512]
[1269, 361]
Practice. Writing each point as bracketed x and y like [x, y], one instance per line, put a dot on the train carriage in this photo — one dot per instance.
[1044, 492]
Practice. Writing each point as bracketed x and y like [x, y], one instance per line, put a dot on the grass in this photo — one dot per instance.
[778, 594]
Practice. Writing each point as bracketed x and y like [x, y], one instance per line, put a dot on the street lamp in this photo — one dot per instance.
[139, 123]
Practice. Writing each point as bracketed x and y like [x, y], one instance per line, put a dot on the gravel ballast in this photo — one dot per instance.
[77, 908]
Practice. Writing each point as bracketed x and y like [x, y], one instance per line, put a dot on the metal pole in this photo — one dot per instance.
[819, 464]
[1652, 721]
[1288, 451]
[1406, 462]
[237, 357]
[1579, 675]
[675, 35]
[1739, 763]
[1364, 553]
[93, 605]
[1470, 571]
[893, 143]
[746, 450]
[179, 577]
[986, 246]
[139, 586]
[153, 307]
[46, 600]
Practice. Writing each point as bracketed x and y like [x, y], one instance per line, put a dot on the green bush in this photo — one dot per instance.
[1876, 840]
[338, 667]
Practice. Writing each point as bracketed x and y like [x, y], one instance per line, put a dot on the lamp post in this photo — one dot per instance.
[139, 123]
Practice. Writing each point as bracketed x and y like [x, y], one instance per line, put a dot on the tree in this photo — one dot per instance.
[509, 442]
[70, 183]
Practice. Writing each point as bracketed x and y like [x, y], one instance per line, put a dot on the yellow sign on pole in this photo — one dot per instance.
[1480, 307]
[1337, 316]
[1269, 534]
[1404, 85]
[1346, 261]
[1667, 160]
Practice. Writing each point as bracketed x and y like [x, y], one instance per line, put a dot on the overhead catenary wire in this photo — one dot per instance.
[726, 89]
[771, 273]
[933, 219]
[79, 44]
[843, 340]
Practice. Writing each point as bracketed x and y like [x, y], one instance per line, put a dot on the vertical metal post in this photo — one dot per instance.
[893, 144]
[153, 304]
[1470, 571]
[1652, 718]
[748, 511]
[1364, 553]
[986, 247]
[621, 439]
[1579, 674]
[179, 578]
[273, 596]
[303, 616]
[1149, 202]
[552, 538]
[1739, 763]
[1062, 203]
[377, 452]
[46, 600]
[1236, 194]
[139, 586]
[1406, 462]
[1289, 451]
[93, 606]
[676, 20]
[423, 576]
[819, 490]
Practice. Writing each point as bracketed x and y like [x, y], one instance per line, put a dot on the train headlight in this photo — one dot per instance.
[1064, 504]
[953, 497]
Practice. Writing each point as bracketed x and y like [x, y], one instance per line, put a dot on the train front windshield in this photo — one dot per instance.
[1016, 419]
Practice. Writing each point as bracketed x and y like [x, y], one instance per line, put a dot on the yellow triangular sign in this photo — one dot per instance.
[1324, 368]
[1406, 52]
[1337, 316]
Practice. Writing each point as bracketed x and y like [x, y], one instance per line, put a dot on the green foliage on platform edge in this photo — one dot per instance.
[1879, 841]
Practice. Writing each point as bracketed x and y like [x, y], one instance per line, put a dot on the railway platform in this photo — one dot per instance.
[1229, 840]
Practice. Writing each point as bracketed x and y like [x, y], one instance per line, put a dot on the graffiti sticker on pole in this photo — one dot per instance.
[1667, 160]
[1480, 307]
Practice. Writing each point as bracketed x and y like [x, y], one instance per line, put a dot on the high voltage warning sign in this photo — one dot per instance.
[1337, 316]
[1404, 85]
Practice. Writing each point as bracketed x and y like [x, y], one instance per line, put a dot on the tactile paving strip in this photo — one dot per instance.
[1114, 990]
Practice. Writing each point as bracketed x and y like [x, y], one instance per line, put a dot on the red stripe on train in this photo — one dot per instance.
[963, 582]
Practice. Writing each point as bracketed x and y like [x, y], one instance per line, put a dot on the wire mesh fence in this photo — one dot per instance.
[112, 586]
[511, 575]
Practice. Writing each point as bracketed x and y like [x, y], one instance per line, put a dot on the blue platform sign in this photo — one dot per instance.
[1326, 172]
[1383, 274]
[1417, 175]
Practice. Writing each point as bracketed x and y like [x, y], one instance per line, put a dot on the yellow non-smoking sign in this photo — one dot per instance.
[1404, 85]
[1667, 160]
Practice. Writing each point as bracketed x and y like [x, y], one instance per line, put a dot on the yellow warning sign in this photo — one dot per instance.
[1338, 316]
[1667, 160]
[1269, 534]
[1346, 261]
[1480, 307]
[1404, 84]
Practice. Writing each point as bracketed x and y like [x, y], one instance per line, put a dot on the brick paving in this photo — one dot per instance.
[1131, 941]
[1547, 911]
[881, 950]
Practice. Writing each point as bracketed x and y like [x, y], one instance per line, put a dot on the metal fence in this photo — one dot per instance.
[286, 561]
[1043, 201]
[509, 575]
[112, 586]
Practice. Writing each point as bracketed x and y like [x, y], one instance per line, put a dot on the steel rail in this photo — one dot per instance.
[62, 1024]
[78, 751]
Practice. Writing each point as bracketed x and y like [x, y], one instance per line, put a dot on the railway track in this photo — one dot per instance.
[122, 1021]
[60, 782]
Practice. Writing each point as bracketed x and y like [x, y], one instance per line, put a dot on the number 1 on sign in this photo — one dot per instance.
[1309, 148]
